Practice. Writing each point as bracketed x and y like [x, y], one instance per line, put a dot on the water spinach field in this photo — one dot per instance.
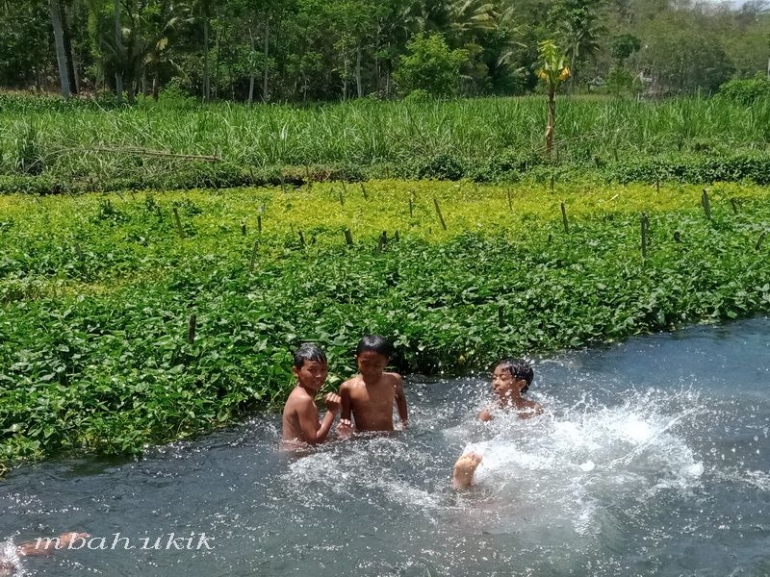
[141, 317]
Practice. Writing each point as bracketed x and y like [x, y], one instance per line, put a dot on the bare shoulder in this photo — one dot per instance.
[349, 384]
[393, 378]
[297, 400]
[531, 409]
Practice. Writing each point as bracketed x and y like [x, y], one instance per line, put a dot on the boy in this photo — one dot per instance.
[300, 416]
[370, 395]
[510, 379]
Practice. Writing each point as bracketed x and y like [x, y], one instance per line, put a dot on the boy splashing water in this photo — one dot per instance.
[510, 379]
[369, 396]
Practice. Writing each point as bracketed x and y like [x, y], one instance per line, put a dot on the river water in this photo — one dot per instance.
[652, 458]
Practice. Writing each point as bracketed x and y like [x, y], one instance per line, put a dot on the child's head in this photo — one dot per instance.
[372, 355]
[310, 366]
[511, 376]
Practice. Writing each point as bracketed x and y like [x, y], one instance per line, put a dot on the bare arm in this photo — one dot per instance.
[314, 432]
[401, 401]
[345, 428]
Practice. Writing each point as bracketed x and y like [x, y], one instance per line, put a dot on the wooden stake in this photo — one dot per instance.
[243, 227]
[734, 204]
[760, 240]
[510, 201]
[363, 191]
[191, 329]
[395, 237]
[706, 204]
[382, 242]
[301, 239]
[342, 199]
[644, 225]
[253, 255]
[657, 184]
[564, 217]
[259, 223]
[348, 237]
[178, 221]
[553, 182]
[438, 212]
[283, 184]
[411, 207]
[501, 316]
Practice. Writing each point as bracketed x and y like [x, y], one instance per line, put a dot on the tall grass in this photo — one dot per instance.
[71, 138]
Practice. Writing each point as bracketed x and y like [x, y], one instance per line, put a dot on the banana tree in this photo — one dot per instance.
[552, 72]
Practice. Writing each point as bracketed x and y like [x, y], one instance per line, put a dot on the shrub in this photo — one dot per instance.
[746, 92]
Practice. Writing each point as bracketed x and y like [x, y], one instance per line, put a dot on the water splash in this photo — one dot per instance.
[10, 564]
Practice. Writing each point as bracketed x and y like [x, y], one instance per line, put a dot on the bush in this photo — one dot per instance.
[442, 167]
[746, 92]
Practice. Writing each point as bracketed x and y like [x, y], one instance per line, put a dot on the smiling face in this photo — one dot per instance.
[312, 375]
[371, 364]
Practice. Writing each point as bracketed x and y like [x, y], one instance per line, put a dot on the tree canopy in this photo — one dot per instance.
[315, 50]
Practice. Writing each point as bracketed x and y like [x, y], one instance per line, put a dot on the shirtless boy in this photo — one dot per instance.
[300, 416]
[370, 395]
[510, 379]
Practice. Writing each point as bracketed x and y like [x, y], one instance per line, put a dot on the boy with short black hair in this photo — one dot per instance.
[300, 415]
[510, 380]
[369, 396]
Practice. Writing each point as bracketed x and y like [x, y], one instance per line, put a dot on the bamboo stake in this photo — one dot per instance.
[564, 217]
[253, 255]
[145, 152]
[706, 204]
[178, 221]
[191, 329]
[760, 240]
[438, 211]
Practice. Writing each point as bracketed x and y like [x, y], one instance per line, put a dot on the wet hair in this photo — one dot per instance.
[518, 369]
[308, 352]
[376, 344]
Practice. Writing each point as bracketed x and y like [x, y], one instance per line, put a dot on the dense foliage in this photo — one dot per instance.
[309, 50]
[57, 146]
[97, 291]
